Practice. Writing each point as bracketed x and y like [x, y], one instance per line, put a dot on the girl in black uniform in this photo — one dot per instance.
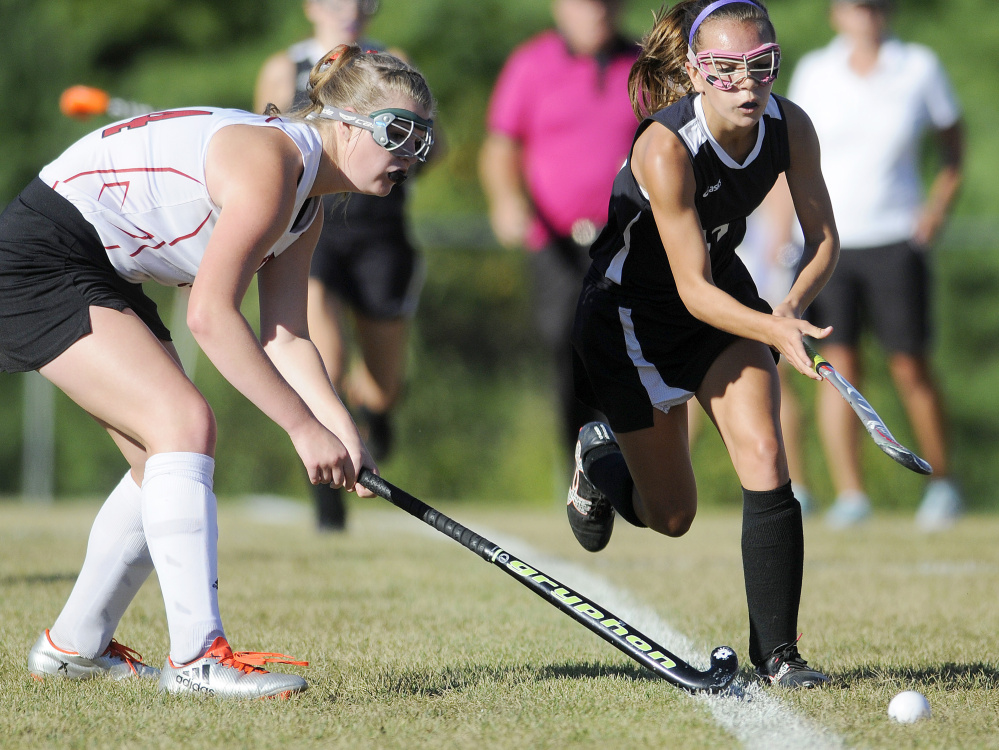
[365, 266]
[669, 312]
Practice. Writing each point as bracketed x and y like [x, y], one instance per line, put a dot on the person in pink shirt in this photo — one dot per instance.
[559, 127]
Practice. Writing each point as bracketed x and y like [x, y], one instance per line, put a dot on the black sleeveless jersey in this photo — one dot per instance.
[629, 254]
[362, 215]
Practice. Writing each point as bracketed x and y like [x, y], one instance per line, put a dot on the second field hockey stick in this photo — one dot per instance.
[874, 424]
[615, 631]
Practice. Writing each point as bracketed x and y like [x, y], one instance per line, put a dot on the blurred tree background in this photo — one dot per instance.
[477, 421]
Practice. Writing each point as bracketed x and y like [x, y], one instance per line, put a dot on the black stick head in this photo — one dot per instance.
[724, 666]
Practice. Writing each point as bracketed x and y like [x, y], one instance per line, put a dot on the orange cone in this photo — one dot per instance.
[82, 102]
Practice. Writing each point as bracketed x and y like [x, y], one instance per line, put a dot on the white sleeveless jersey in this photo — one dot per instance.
[141, 184]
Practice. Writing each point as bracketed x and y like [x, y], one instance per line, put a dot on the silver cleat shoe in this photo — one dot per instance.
[226, 674]
[118, 662]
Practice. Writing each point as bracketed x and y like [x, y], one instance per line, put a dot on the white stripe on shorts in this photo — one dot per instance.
[662, 396]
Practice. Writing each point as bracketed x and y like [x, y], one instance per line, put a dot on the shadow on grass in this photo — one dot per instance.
[434, 683]
[979, 676]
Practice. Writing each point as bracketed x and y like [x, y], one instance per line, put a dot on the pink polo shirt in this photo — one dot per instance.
[573, 119]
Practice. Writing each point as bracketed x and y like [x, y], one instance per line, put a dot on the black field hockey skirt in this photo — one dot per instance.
[632, 356]
[53, 268]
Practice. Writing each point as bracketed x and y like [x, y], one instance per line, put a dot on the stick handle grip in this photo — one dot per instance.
[430, 516]
[818, 360]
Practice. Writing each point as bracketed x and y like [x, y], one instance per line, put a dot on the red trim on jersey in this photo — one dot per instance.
[133, 169]
[147, 236]
[125, 185]
[142, 120]
[192, 234]
[143, 247]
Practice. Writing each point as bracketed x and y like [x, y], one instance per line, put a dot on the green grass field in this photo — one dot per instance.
[416, 643]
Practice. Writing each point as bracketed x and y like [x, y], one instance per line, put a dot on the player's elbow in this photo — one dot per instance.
[203, 319]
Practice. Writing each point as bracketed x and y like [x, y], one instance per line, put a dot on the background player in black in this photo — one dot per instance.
[668, 311]
[364, 261]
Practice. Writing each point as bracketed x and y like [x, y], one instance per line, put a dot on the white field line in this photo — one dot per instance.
[758, 719]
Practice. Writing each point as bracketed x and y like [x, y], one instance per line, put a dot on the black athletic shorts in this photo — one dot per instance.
[369, 264]
[631, 356]
[884, 287]
[53, 268]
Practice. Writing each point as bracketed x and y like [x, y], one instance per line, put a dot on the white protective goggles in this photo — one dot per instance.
[397, 130]
[726, 70]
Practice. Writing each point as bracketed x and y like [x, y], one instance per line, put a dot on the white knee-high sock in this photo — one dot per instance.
[179, 514]
[116, 565]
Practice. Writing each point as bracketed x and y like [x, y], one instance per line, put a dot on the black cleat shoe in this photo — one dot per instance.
[591, 516]
[786, 668]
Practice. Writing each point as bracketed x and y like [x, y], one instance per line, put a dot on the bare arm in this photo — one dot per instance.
[945, 185]
[661, 166]
[252, 174]
[275, 83]
[283, 287]
[501, 174]
[812, 206]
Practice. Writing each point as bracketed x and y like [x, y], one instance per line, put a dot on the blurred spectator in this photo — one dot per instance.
[560, 125]
[364, 261]
[872, 98]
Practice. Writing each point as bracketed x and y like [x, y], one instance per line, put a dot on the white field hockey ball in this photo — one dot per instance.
[909, 707]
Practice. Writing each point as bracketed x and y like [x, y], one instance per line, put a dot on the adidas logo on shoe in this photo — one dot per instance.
[227, 674]
[191, 681]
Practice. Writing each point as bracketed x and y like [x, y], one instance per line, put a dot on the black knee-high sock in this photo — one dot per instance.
[609, 474]
[331, 513]
[773, 551]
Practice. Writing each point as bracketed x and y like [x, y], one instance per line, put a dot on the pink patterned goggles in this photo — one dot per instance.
[726, 70]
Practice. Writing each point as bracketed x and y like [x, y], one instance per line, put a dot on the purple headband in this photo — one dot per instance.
[711, 9]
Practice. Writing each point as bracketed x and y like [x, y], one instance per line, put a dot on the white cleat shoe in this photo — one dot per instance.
[118, 662]
[225, 674]
[850, 509]
[941, 506]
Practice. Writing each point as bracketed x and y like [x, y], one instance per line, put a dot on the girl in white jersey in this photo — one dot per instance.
[208, 198]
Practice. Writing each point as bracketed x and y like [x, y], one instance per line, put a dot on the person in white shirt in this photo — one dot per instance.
[209, 198]
[873, 98]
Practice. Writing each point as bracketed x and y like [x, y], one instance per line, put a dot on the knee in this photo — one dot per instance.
[758, 459]
[675, 525]
[672, 519]
[188, 425]
[760, 450]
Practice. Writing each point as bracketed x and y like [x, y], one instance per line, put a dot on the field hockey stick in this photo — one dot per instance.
[874, 424]
[82, 102]
[621, 635]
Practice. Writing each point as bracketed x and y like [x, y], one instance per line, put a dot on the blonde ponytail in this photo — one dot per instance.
[352, 78]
